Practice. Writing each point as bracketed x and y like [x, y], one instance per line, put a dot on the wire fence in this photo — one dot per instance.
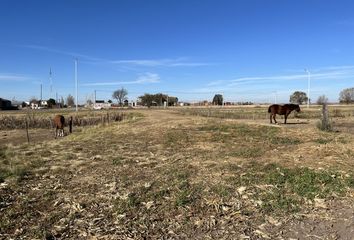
[40, 120]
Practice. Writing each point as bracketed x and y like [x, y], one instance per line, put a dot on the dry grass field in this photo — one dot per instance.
[190, 173]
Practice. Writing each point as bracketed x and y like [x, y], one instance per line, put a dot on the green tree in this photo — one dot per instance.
[147, 99]
[298, 97]
[160, 98]
[51, 102]
[218, 99]
[346, 96]
[172, 101]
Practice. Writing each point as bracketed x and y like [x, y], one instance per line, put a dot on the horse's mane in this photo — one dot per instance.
[291, 105]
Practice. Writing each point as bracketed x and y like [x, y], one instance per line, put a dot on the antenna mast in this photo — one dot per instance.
[51, 82]
[76, 86]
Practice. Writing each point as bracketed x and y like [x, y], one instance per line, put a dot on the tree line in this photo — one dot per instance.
[159, 99]
[345, 96]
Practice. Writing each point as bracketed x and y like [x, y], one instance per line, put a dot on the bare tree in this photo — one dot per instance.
[322, 100]
[61, 103]
[70, 101]
[89, 102]
[33, 100]
[325, 123]
[120, 95]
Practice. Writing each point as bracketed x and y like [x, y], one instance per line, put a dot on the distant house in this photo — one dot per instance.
[172, 101]
[44, 103]
[35, 104]
[5, 104]
[100, 104]
[184, 104]
[202, 103]
[17, 104]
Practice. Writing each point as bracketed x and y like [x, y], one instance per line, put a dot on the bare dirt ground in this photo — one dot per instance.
[171, 176]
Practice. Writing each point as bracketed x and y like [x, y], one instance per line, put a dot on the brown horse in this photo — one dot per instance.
[59, 123]
[282, 110]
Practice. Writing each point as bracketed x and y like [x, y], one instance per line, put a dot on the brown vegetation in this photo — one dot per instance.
[176, 176]
[36, 120]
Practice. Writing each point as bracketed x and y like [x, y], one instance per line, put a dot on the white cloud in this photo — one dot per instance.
[168, 62]
[141, 79]
[178, 62]
[217, 82]
[326, 80]
[72, 54]
[13, 77]
[328, 73]
[148, 78]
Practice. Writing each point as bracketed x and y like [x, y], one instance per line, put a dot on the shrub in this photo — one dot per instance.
[325, 123]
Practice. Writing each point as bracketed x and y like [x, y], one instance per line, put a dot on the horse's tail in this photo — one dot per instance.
[269, 109]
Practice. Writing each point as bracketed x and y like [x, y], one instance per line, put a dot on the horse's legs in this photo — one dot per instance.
[274, 118]
[270, 117]
[286, 116]
[56, 132]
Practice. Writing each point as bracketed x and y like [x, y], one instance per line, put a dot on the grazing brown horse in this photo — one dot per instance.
[59, 123]
[282, 110]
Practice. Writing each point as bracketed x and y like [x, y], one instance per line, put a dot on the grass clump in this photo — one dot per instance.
[322, 140]
[176, 138]
[305, 182]
[187, 194]
[126, 204]
[285, 141]
[3, 152]
[248, 152]
[288, 188]
[117, 160]
[325, 123]
[18, 172]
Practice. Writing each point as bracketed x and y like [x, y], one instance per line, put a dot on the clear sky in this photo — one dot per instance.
[249, 50]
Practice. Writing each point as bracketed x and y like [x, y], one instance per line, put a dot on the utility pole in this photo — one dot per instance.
[223, 101]
[56, 98]
[308, 87]
[76, 86]
[41, 95]
[51, 82]
[95, 98]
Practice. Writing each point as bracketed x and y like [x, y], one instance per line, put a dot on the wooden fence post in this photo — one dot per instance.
[51, 125]
[71, 124]
[28, 140]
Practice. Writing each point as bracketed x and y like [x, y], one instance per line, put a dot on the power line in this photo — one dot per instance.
[76, 85]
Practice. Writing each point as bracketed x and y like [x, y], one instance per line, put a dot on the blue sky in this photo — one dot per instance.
[249, 50]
